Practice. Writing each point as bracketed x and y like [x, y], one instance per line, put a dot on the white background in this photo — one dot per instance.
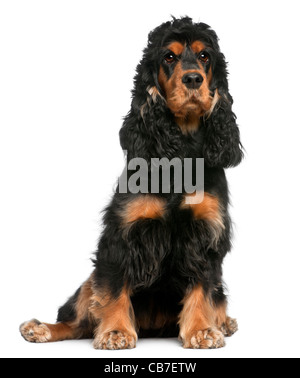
[66, 70]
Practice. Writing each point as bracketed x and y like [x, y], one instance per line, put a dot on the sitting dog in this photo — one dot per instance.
[158, 266]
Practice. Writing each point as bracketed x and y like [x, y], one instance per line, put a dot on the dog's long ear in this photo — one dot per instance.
[222, 146]
[134, 135]
[143, 129]
[148, 129]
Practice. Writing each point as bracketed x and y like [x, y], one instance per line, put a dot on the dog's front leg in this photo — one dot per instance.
[197, 321]
[116, 329]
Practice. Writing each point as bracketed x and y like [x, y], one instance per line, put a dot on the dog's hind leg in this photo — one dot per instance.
[74, 320]
[37, 332]
[225, 324]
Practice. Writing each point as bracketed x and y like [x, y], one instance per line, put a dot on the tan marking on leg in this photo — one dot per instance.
[116, 329]
[37, 332]
[209, 210]
[197, 322]
[143, 207]
[84, 301]
[62, 331]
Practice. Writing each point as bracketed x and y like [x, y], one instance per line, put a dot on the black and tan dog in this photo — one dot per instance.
[158, 267]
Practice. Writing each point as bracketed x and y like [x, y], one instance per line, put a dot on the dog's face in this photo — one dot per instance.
[184, 68]
[185, 76]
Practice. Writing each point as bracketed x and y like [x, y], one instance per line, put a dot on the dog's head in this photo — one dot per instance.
[183, 64]
[182, 77]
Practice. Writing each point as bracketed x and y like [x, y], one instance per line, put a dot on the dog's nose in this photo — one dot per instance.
[192, 80]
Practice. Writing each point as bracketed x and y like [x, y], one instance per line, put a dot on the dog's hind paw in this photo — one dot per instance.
[229, 327]
[35, 331]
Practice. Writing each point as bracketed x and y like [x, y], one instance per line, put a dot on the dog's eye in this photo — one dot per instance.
[170, 57]
[204, 57]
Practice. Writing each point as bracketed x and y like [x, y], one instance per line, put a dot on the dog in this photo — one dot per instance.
[158, 265]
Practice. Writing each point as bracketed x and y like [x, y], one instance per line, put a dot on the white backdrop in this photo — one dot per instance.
[66, 70]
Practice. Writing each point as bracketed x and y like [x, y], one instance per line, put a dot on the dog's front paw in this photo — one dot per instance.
[115, 340]
[209, 338]
[35, 331]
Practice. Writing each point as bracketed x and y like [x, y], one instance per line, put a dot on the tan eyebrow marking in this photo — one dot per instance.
[176, 47]
[197, 46]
